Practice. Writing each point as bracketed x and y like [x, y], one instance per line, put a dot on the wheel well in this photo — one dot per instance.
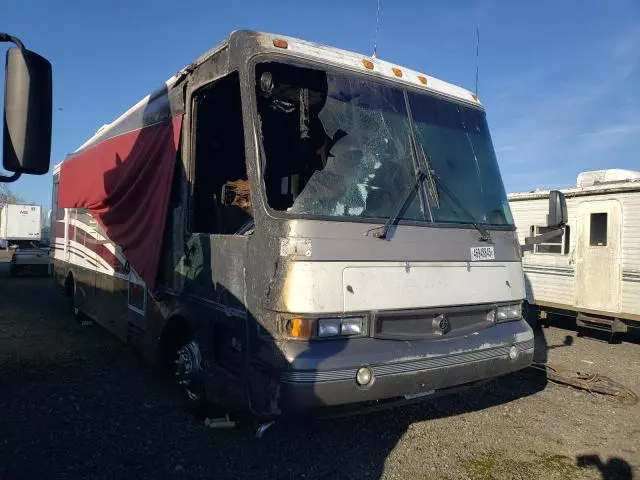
[175, 334]
[68, 284]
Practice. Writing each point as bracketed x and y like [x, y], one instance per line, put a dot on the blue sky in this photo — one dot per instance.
[560, 79]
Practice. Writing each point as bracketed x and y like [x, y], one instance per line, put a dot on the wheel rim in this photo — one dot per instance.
[188, 369]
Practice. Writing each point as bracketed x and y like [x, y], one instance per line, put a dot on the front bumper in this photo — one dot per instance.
[323, 373]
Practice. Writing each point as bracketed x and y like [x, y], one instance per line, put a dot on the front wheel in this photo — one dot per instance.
[190, 377]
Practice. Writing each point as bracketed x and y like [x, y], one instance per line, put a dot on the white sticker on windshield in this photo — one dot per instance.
[482, 253]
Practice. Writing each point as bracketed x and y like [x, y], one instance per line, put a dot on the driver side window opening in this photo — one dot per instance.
[295, 142]
[220, 199]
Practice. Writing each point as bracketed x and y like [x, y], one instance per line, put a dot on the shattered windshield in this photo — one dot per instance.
[459, 150]
[339, 145]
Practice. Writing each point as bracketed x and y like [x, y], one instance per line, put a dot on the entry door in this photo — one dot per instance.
[598, 255]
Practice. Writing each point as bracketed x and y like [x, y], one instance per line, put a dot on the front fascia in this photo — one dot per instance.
[341, 269]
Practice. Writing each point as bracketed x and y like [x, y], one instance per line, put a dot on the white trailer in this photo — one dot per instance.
[591, 269]
[20, 223]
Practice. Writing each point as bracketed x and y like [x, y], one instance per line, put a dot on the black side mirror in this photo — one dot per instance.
[557, 216]
[27, 112]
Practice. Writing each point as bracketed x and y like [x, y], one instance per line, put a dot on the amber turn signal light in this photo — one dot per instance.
[300, 327]
[279, 43]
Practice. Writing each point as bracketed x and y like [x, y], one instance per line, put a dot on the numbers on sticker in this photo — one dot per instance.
[482, 253]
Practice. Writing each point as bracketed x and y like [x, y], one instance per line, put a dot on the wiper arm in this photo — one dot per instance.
[416, 186]
[484, 234]
[421, 175]
[431, 175]
[430, 172]
[381, 232]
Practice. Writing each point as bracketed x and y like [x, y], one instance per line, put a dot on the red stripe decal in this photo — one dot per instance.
[125, 183]
[90, 242]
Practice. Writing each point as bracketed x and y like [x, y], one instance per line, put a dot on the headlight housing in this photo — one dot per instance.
[507, 313]
[302, 328]
[328, 327]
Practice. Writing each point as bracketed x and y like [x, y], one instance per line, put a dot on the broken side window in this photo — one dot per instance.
[220, 200]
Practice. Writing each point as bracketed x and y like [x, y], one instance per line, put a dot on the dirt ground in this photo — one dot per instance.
[77, 404]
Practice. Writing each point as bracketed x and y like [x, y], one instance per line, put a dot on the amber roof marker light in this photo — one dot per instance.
[368, 64]
[279, 43]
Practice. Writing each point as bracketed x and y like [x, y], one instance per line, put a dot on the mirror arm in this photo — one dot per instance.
[11, 178]
[5, 37]
[543, 237]
[529, 242]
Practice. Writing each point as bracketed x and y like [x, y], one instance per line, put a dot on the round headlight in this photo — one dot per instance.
[364, 376]
[513, 352]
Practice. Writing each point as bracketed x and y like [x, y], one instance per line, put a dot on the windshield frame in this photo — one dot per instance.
[306, 62]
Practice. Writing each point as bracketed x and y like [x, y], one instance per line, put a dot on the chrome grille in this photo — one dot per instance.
[406, 367]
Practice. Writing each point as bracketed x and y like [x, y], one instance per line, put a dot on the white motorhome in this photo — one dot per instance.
[19, 223]
[591, 268]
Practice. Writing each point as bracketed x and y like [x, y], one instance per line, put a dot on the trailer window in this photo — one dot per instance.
[598, 230]
[558, 244]
[220, 200]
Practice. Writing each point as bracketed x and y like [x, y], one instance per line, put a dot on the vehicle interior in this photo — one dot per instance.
[220, 197]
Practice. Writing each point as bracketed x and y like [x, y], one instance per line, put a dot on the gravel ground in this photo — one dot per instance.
[77, 404]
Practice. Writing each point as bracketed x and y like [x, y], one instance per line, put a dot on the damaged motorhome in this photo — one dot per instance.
[292, 226]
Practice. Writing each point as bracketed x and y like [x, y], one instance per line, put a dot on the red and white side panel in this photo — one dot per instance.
[78, 240]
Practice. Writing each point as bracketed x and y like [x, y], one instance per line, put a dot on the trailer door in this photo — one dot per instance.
[598, 255]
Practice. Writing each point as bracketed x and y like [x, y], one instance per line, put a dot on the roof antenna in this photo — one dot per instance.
[477, 54]
[375, 38]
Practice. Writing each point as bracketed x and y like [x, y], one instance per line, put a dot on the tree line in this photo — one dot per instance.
[8, 196]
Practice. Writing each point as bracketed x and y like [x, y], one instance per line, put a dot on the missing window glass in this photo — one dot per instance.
[598, 230]
[221, 201]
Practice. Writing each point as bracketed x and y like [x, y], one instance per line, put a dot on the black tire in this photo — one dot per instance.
[80, 317]
[191, 382]
[13, 271]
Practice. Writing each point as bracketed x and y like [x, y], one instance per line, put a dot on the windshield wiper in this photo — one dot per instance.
[381, 232]
[423, 171]
[421, 175]
[484, 234]
[416, 186]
